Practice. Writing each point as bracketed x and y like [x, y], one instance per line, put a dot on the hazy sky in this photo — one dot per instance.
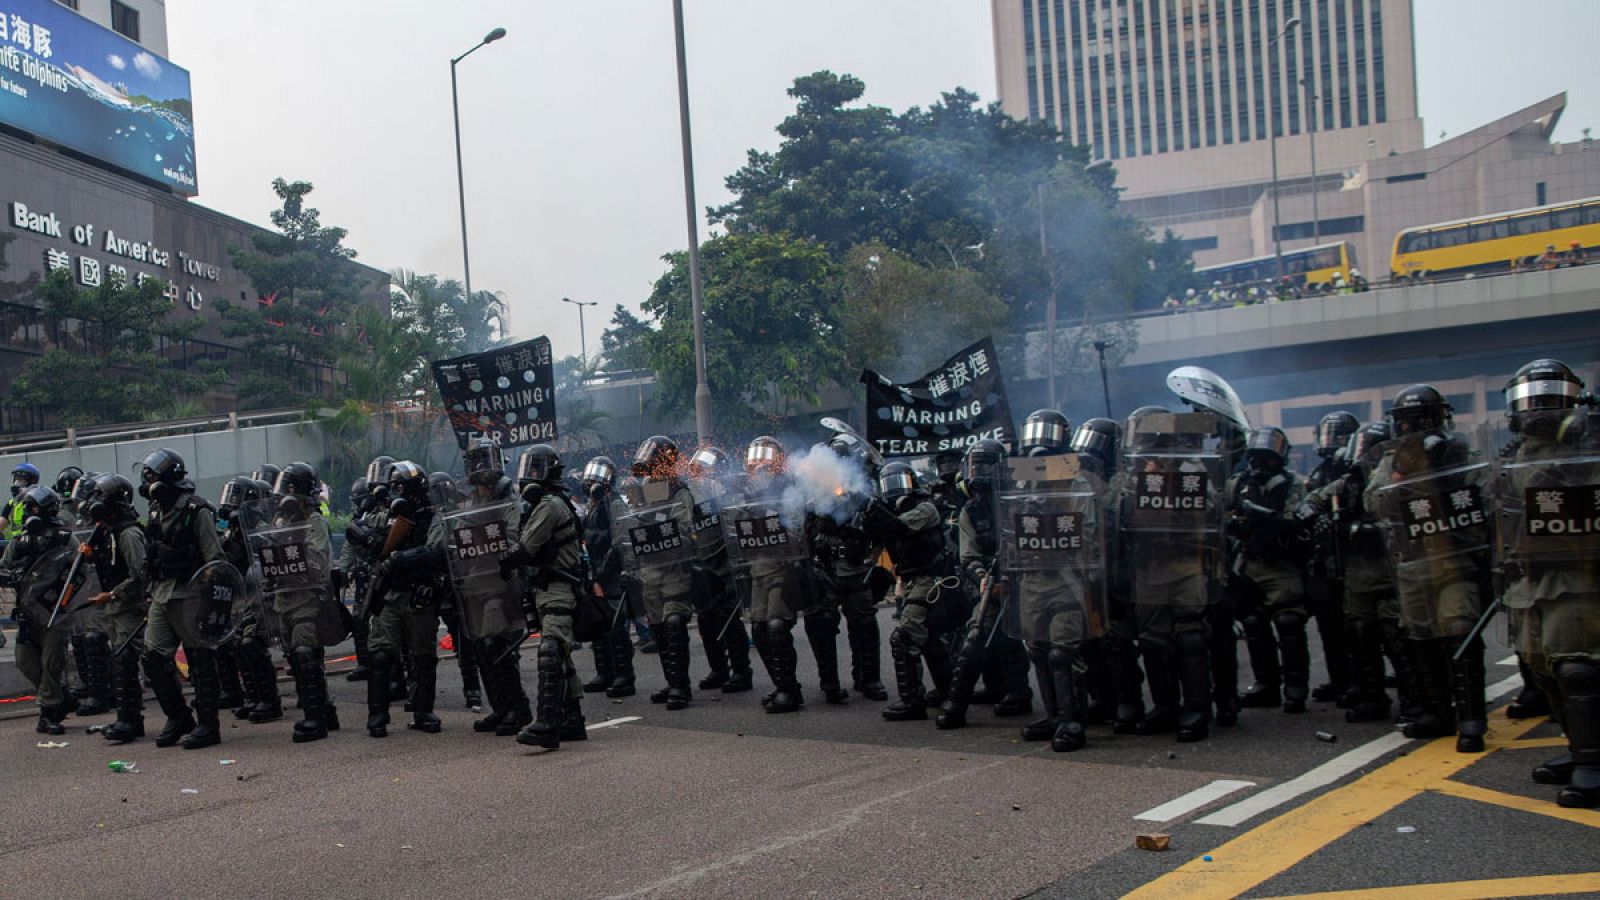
[570, 124]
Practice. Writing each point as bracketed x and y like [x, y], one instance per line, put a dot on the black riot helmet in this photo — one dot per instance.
[1099, 439]
[1268, 448]
[238, 493]
[443, 491]
[113, 499]
[1542, 396]
[1334, 431]
[486, 462]
[298, 479]
[540, 464]
[266, 472]
[1143, 440]
[162, 465]
[947, 465]
[980, 468]
[599, 472]
[657, 458]
[84, 491]
[852, 447]
[66, 480]
[378, 471]
[408, 481]
[897, 481]
[360, 493]
[41, 509]
[1044, 433]
[765, 454]
[710, 462]
[1364, 445]
[1419, 408]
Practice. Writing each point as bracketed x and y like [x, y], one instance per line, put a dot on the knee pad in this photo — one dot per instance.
[675, 621]
[1189, 643]
[779, 626]
[1578, 678]
[1289, 620]
[1149, 647]
[382, 660]
[1062, 658]
[1363, 629]
[156, 662]
[1255, 623]
[899, 638]
[550, 656]
[304, 656]
[1039, 654]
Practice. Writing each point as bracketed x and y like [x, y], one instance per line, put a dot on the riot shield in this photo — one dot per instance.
[1052, 546]
[89, 617]
[1548, 515]
[659, 553]
[706, 520]
[1174, 482]
[288, 563]
[475, 541]
[1432, 505]
[771, 552]
[59, 584]
[207, 611]
[1205, 389]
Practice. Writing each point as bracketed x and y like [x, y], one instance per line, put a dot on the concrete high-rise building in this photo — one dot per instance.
[142, 21]
[1185, 96]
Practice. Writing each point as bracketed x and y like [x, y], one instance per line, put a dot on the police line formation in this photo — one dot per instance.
[1105, 558]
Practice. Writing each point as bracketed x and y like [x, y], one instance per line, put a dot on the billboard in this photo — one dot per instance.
[77, 84]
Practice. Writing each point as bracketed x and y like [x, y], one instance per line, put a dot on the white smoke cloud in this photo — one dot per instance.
[117, 62]
[824, 483]
[147, 66]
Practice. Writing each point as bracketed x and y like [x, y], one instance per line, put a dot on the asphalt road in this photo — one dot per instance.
[722, 800]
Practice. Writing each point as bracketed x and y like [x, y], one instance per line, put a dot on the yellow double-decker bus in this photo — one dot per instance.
[1310, 266]
[1497, 242]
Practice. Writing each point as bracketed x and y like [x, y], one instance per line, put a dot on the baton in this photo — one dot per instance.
[132, 634]
[1482, 621]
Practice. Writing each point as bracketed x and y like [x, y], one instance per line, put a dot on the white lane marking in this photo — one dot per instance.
[1322, 776]
[1193, 800]
[1501, 688]
[610, 722]
[1508, 661]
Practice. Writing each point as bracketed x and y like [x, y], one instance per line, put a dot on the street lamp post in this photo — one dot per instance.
[702, 390]
[1272, 133]
[1311, 134]
[583, 342]
[1105, 383]
[1050, 301]
[461, 181]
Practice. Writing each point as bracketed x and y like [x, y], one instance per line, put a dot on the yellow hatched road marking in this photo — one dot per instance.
[1530, 886]
[1530, 743]
[1589, 817]
[1274, 847]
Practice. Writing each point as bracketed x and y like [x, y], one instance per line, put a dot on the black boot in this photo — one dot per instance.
[1102, 705]
[1364, 640]
[1436, 718]
[50, 719]
[519, 713]
[759, 637]
[622, 675]
[1466, 689]
[1331, 630]
[130, 699]
[1122, 656]
[737, 643]
[312, 687]
[494, 685]
[710, 626]
[1557, 770]
[1530, 702]
[1263, 692]
[969, 664]
[379, 680]
[865, 658]
[551, 703]
[265, 705]
[96, 673]
[822, 632]
[207, 700]
[358, 634]
[1224, 665]
[673, 639]
[1042, 729]
[232, 694]
[425, 669]
[1295, 646]
[1069, 734]
[1159, 669]
[80, 664]
[605, 670]
[471, 682]
[1580, 693]
[941, 669]
[162, 673]
[1009, 657]
[1194, 676]
[912, 704]
[782, 661]
[572, 722]
[1402, 658]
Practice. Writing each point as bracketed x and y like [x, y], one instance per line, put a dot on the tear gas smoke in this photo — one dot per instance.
[824, 483]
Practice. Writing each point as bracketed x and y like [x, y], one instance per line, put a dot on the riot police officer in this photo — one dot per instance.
[300, 610]
[1429, 488]
[777, 568]
[851, 581]
[181, 537]
[369, 509]
[1114, 676]
[551, 543]
[906, 522]
[34, 563]
[117, 549]
[1324, 594]
[408, 613]
[717, 608]
[243, 505]
[91, 645]
[613, 652]
[1265, 573]
[23, 476]
[666, 590]
[1552, 566]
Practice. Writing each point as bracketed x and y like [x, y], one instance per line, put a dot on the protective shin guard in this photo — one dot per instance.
[622, 675]
[228, 676]
[1264, 691]
[1045, 728]
[1224, 665]
[1010, 657]
[1334, 637]
[1580, 692]
[936, 655]
[96, 671]
[1164, 693]
[709, 625]
[1295, 646]
[782, 661]
[162, 673]
[1466, 691]
[605, 669]
[673, 638]
[969, 664]
[736, 641]
[471, 676]
[1436, 718]
[866, 664]
[358, 635]
[1402, 658]
[1102, 705]
[1069, 734]
[425, 671]
[207, 697]
[907, 657]
[312, 687]
[80, 663]
[822, 633]
[130, 699]
[551, 702]
[379, 678]
[1127, 680]
[1529, 703]
[1194, 675]
[1364, 642]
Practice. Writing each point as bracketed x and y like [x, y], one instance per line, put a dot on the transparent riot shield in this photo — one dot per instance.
[207, 611]
[475, 541]
[1433, 508]
[769, 550]
[660, 552]
[89, 617]
[287, 560]
[1052, 546]
[706, 519]
[1174, 482]
[1547, 527]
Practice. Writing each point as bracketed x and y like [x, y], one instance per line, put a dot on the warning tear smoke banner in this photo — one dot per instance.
[507, 393]
[953, 406]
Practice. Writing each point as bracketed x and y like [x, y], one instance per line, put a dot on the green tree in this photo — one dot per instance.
[111, 368]
[770, 334]
[623, 345]
[308, 290]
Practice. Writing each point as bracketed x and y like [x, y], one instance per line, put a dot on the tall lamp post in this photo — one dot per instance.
[461, 181]
[583, 343]
[1044, 256]
[1272, 133]
[702, 390]
[1311, 134]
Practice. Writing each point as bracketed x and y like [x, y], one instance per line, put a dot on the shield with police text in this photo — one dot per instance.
[476, 539]
[288, 563]
[207, 611]
[1171, 498]
[770, 556]
[1433, 494]
[1052, 540]
[1547, 523]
